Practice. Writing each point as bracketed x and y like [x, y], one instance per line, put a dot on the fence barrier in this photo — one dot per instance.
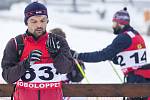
[93, 90]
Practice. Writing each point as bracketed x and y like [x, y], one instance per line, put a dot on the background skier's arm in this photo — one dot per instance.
[120, 43]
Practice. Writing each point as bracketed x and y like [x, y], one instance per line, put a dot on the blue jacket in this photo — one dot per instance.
[120, 43]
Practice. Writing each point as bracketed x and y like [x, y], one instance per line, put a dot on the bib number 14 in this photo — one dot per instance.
[135, 56]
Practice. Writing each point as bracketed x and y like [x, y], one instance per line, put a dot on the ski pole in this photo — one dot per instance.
[115, 71]
[81, 70]
[124, 98]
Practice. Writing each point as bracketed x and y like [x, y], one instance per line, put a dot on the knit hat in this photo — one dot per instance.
[122, 17]
[34, 9]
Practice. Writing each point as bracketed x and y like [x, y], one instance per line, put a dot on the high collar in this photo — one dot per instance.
[126, 28]
[34, 37]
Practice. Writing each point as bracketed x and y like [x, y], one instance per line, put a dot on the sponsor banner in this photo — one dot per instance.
[45, 85]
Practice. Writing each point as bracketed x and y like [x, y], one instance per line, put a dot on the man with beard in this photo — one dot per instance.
[127, 49]
[33, 62]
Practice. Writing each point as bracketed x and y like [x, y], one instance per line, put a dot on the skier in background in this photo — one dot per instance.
[127, 49]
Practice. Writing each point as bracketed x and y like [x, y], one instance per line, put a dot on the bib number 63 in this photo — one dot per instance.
[30, 74]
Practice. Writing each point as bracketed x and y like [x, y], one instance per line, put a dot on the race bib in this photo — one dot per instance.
[132, 58]
[41, 73]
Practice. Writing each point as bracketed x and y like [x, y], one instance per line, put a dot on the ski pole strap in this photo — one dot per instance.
[81, 70]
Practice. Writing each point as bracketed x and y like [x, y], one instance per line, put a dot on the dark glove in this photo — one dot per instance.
[115, 60]
[33, 57]
[53, 46]
[75, 75]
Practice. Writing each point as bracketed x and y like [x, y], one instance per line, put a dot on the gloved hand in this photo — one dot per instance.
[53, 45]
[74, 54]
[34, 56]
[115, 60]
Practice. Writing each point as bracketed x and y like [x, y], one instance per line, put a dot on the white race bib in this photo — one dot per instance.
[41, 73]
[132, 58]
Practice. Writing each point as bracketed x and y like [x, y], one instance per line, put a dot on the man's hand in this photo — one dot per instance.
[53, 46]
[74, 54]
[34, 56]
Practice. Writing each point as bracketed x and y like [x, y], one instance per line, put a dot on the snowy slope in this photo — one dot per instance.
[80, 40]
[87, 17]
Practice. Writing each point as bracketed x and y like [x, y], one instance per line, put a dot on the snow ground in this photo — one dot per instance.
[80, 40]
